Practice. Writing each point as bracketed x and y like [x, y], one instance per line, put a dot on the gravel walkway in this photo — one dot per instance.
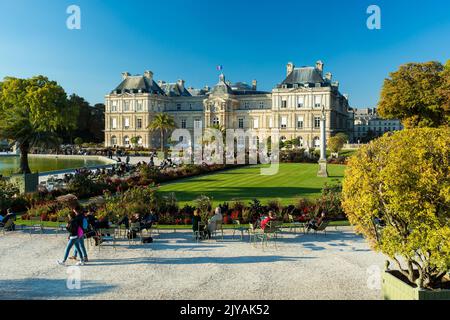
[334, 266]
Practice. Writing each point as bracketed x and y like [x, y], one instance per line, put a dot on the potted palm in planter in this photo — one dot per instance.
[396, 193]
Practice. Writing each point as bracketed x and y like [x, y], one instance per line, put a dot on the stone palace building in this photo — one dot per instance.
[294, 106]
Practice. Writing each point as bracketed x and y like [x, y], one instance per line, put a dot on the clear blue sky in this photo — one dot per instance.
[188, 38]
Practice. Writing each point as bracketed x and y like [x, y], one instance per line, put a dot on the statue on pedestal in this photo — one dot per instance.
[323, 172]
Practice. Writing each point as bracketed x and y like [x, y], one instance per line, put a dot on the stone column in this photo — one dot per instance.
[323, 172]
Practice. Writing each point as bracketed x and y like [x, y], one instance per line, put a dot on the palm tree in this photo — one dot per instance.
[31, 113]
[162, 123]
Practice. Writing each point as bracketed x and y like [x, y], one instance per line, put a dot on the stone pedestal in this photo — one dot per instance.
[323, 171]
[27, 183]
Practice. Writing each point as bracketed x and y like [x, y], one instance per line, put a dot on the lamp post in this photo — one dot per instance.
[323, 172]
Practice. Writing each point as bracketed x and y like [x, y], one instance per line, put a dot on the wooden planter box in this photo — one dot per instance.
[393, 288]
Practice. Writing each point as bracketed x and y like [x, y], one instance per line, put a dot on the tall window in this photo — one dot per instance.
[284, 104]
[126, 106]
[270, 121]
[241, 123]
[255, 123]
[113, 140]
[114, 106]
[247, 105]
[139, 123]
[197, 123]
[300, 122]
[126, 141]
[316, 122]
[183, 123]
[301, 102]
[126, 123]
[139, 106]
[318, 101]
[261, 105]
[316, 142]
[283, 122]
[216, 121]
[114, 123]
[178, 106]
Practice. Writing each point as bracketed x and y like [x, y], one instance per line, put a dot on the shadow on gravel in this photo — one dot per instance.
[48, 289]
[194, 260]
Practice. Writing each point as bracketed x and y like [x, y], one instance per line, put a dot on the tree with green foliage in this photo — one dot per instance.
[336, 143]
[31, 112]
[445, 91]
[162, 123]
[78, 141]
[403, 180]
[134, 141]
[413, 94]
[89, 123]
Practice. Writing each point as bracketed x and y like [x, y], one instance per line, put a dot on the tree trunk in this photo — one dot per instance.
[24, 166]
[162, 141]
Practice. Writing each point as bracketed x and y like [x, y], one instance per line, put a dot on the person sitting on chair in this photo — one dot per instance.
[212, 222]
[316, 222]
[9, 216]
[196, 228]
[271, 217]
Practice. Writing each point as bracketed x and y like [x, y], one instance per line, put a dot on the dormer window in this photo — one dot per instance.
[178, 106]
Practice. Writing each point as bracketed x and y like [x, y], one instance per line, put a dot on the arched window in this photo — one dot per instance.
[316, 142]
[113, 140]
[283, 138]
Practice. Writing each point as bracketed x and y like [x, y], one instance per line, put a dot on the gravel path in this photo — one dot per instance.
[334, 266]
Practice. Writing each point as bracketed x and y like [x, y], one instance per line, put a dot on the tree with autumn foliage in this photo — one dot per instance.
[403, 180]
[418, 94]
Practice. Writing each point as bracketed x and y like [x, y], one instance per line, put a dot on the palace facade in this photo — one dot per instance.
[294, 106]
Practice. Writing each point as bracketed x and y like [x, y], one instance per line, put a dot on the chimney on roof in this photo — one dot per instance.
[329, 76]
[181, 83]
[289, 68]
[125, 75]
[254, 85]
[148, 75]
[319, 66]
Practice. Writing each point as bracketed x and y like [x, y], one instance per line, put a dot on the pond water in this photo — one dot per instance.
[11, 164]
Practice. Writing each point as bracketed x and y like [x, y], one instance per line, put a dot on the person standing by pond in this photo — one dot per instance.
[72, 227]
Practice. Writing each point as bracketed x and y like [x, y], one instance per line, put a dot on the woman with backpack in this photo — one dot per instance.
[72, 227]
[82, 230]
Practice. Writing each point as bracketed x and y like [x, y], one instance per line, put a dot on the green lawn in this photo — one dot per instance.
[291, 182]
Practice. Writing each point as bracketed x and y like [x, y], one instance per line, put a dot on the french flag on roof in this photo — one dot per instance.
[219, 68]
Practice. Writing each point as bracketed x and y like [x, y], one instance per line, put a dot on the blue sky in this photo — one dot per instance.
[187, 39]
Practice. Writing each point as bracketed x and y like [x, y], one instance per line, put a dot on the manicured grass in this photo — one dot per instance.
[246, 183]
